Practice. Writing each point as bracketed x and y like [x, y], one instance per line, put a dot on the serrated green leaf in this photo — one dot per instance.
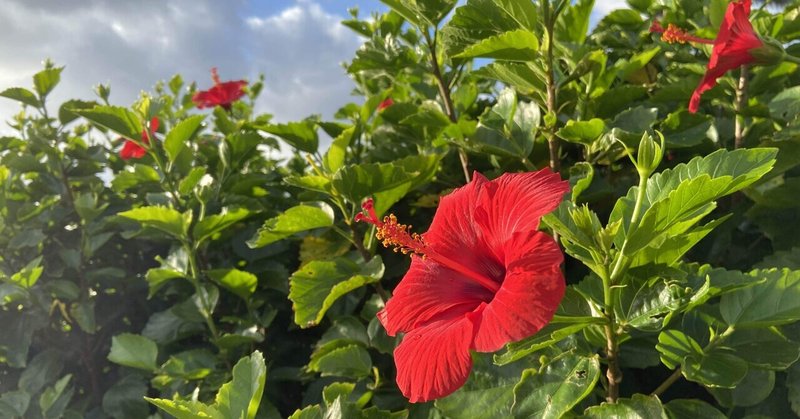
[714, 369]
[133, 351]
[165, 219]
[238, 282]
[582, 132]
[516, 45]
[187, 409]
[213, 224]
[557, 388]
[637, 407]
[773, 302]
[692, 409]
[241, 397]
[300, 135]
[45, 80]
[120, 120]
[751, 390]
[293, 220]
[180, 134]
[318, 284]
[482, 19]
[342, 360]
[21, 94]
[674, 346]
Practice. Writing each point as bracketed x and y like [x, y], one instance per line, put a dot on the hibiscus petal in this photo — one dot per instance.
[529, 296]
[434, 360]
[454, 235]
[515, 202]
[131, 150]
[428, 292]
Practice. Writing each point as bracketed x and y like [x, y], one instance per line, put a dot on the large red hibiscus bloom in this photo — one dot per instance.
[480, 277]
[222, 94]
[737, 44]
[132, 150]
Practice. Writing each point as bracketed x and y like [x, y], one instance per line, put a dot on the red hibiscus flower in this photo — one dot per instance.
[737, 43]
[222, 94]
[132, 150]
[385, 104]
[480, 277]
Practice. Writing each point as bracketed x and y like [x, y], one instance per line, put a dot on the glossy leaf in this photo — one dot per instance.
[294, 220]
[133, 351]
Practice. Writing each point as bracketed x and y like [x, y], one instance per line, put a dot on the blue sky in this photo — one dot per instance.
[298, 44]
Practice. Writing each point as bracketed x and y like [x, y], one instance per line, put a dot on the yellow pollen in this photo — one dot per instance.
[393, 234]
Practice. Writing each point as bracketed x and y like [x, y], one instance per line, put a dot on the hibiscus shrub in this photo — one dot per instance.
[606, 227]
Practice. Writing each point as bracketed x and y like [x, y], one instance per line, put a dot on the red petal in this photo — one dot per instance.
[428, 292]
[736, 37]
[434, 361]
[455, 235]
[131, 150]
[528, 298]
[515, 202]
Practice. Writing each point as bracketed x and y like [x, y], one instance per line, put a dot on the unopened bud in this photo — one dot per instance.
[650, 154]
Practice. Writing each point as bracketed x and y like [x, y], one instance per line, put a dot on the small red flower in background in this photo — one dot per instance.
[482, 276]
[385, 104]
[222, 94]
[736, 44]
[132, 150]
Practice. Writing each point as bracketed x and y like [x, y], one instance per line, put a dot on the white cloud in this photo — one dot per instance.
[131, 45]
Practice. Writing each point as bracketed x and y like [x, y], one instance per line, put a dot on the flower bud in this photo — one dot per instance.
[649, 155]
[770, 52]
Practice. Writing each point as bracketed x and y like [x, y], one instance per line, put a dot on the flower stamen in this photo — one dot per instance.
[390, 232]
[674, 34]
[215, 76]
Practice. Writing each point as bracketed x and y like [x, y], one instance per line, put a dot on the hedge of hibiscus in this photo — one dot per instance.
[604, 225]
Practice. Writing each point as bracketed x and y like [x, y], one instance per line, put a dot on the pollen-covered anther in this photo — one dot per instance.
[674, 34]
[393, 234]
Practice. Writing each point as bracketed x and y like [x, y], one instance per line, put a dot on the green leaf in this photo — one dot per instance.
[125, 399]
[786, 104]
[206, 228]
[318, 284]
[516, 45]
[508, 128]
[181, 134]
[341, 359]
[133, 176]
[674, 346]
[293, 220]
[555, 390]
[582, 132]
[479, 20]
[525, 78]
[335, 157]
[678, 198]
[422, 13]
[120, 120]
[692, 409]
[749, 345]
[685, 129]
[133, 351]
[165, 219]
[241, 397]
[310, 182]
[55, 399]
[386, 182]
[573, 23]
[14, 404]
[45, 80]
[637, 407]
[21, 95]
[300, 135]
[238, 282]
[773, 302]
[187, 409]
[489, 390]
[752, 390]
[549, 335]
[714, 369]
[191, 180]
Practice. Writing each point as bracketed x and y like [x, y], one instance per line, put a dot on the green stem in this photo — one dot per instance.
[613, 373]
[791, 59]
[738, 106]
[552, 140]
[194, 277]
[444, 92]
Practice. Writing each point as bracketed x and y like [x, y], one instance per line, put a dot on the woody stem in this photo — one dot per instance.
[738, 106]
[444, 92]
